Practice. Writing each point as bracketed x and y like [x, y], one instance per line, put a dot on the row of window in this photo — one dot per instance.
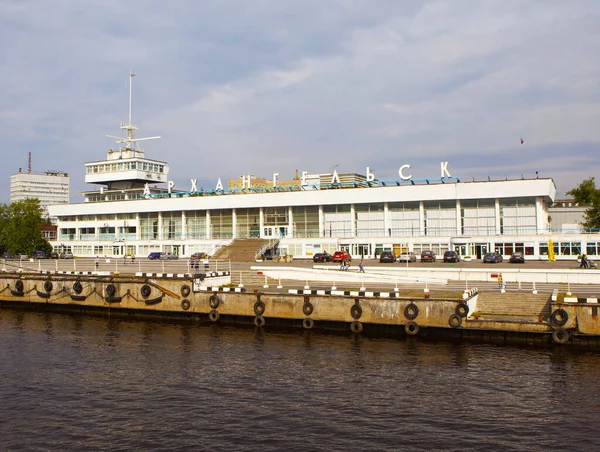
[125, 166]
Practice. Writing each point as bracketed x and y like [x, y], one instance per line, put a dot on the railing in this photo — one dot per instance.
[271, 244]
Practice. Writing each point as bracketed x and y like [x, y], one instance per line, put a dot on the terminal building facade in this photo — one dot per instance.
[327, 213]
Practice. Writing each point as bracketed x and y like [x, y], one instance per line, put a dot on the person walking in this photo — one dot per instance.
[584, 262]
[500, 281]
[361, 267]
[97, 262]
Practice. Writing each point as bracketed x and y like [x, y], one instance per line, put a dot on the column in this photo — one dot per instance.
[208, 236]
[458, 218]
[353, 223]
[321, 222]
[497, 208]
[386, 222]
[421, 219]
[261, 222]
[234, 223]
[290, 222]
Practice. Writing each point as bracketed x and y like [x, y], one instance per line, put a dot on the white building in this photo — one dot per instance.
[50, 188]
[321, 212]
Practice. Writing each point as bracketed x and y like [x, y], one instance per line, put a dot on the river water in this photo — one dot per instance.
[71, 382]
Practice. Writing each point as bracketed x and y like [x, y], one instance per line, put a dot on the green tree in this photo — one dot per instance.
[22, 230]
[586, 194]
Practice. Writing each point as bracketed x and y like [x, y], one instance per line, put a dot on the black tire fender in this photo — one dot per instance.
[356, 327]
[455, 321]
[185, 304]
[48, 286]
[308, 308]
[185, 290]
[559, 317]
[560, 336]
[146, 290]
[462, 310]
[411, 311]
[111, 290]
[411, 328]
[214, 315]
[77, 287]
[259, 308]
[259, 320]
[214, 301]
[356, 311]
[308, 324]
[19, 285]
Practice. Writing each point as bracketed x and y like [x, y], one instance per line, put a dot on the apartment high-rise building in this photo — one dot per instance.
[52, 187]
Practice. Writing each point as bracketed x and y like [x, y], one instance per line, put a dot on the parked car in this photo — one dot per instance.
[9, 255]
[38, 255]
[154, 255]
[340, 256]
[199, 255]
[492, 258]
[66, 255]
[387, 256]
[323, 257]
[517, 258]
[427, 256]
[451, 256]
[22, 256]
[407, 257]
[53, 255]
[168, 256]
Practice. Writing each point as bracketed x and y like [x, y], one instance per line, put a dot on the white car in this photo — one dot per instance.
[407, 257]
[168, 256]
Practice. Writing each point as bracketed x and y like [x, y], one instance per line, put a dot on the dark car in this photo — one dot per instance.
[9, 255]
[154, 255]
[340, 256]
[451, 256]
[427, 256]
[517, 258]
[323, 257]
[53, 255]
[492, 258]
[38, 255]
[387, 256]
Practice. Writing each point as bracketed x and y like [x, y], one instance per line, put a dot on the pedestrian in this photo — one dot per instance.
[124, 259]
[97, 262]
[361, 267]
[500, 281]
[584, 262]
[133, 258]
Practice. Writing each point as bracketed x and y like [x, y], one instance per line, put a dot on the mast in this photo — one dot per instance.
[129, 127]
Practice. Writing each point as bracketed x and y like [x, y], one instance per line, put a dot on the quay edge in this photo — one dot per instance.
[570, 322]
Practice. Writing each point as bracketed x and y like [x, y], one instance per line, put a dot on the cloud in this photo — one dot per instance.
[263, 87]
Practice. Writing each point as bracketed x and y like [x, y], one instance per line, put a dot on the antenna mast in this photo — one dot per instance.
[129, 127]
[29, 164]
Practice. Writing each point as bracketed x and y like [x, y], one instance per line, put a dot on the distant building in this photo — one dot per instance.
[566, 215]
[50, 188]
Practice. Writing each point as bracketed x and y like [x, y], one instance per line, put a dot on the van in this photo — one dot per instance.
[154, 255]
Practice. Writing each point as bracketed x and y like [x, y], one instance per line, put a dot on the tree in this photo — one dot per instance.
[22, 228]
[586, 194]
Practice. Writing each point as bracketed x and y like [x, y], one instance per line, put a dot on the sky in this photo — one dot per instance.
[264, 86]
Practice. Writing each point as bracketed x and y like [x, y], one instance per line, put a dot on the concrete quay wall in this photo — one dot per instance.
[192, 297]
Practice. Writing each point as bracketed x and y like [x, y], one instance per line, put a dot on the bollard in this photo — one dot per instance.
[279, 286]
[307, 286]
[241, 284]
[534, 291]
[266, 285]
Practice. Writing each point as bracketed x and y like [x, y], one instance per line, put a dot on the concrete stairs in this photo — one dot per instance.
[240, 250]
[505, 304]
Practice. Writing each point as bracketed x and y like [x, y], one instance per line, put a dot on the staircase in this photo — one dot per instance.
[504, 304]
[240, 250]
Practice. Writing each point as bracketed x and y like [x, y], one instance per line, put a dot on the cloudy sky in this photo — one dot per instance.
[263, 86]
